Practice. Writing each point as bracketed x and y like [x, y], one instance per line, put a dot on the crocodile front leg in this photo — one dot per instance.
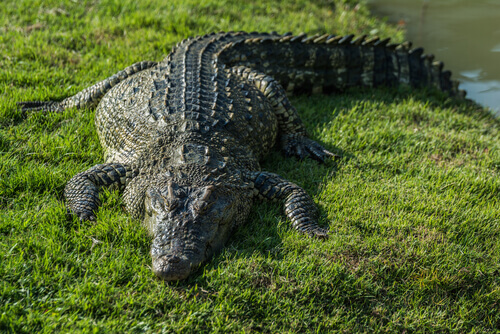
[82, 191]
[293, 135]
[89, 97]
[299, 207]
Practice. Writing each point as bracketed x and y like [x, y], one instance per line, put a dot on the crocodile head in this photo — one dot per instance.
[188, 224]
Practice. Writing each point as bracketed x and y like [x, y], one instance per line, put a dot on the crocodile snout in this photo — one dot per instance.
[171, 268]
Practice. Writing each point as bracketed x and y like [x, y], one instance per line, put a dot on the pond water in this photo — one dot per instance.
[464, 34]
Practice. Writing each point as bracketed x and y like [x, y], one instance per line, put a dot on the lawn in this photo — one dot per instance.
[413, 204]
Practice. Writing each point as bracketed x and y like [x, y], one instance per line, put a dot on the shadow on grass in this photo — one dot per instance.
[262, 235]
[380, 292]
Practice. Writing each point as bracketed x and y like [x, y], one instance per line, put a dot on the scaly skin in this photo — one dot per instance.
[183, 137]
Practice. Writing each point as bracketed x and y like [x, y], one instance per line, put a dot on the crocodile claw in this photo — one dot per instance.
[319, 233]
[303, 147]
[82, 216]
[86, 216]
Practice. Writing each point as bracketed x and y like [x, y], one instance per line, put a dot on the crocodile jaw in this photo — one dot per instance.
[172, 262]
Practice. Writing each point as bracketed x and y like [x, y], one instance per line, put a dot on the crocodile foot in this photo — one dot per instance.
[319, 233]
[82, 216]
[302, 147]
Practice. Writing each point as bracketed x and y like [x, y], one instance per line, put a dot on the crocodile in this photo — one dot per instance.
[183, 137]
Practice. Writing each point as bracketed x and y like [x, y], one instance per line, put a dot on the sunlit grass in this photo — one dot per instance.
[412, 204]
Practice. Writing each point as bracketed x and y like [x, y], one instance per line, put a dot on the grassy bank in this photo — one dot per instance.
[413, 204]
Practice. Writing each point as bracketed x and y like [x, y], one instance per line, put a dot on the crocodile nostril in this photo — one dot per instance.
[173, 259]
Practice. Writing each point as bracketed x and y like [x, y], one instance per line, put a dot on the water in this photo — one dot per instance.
[464, 34]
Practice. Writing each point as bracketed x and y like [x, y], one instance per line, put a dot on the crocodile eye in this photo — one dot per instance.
[154, 201]
[181, 193]
[172, 203]
[204, 203]
[202, 206]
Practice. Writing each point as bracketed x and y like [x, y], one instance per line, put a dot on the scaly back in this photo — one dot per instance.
[322, 64]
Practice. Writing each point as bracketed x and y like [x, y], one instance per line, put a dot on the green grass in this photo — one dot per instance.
[413, 204]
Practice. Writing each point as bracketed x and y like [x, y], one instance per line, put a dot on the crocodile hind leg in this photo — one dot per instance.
[293, 135]
[89, 97]
[299, 207]
[82, 191]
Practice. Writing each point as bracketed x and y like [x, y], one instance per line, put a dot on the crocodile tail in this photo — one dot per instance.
[322, 64]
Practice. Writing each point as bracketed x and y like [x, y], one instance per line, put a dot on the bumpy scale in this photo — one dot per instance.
[183, 137]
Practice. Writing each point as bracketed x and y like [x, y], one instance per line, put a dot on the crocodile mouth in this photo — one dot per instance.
[171, 267]
[175, 259]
